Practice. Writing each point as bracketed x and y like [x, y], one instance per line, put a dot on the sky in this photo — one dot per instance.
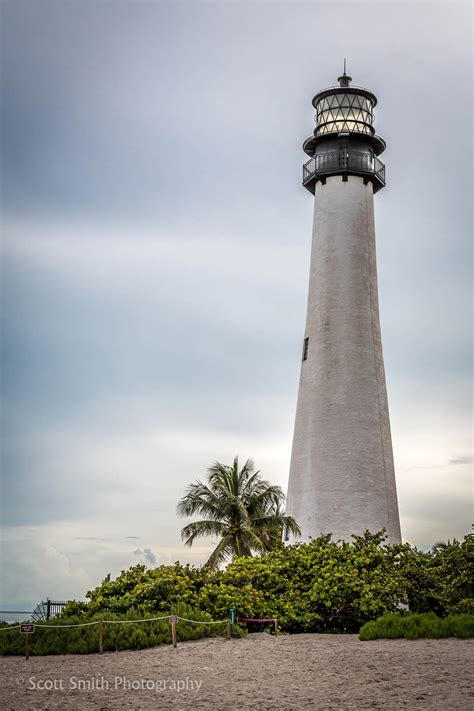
[155, 260]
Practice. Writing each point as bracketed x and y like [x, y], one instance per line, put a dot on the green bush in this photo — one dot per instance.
[50, 638]
[320, 586]
[441, 581]
[465, 606]
[417, 626]
[316, 586]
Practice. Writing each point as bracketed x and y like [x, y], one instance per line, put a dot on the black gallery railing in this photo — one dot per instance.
[342, 161]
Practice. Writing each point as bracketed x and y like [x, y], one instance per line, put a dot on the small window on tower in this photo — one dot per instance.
[305, 348]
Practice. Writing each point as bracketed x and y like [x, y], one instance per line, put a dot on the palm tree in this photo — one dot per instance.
[442, 546]
[240, 508]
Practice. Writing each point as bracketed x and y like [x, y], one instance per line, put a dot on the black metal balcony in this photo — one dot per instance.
[344, 162]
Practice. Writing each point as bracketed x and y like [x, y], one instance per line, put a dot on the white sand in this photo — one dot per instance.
[306, 671]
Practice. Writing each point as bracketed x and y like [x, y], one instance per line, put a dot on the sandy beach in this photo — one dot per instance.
[306, 671]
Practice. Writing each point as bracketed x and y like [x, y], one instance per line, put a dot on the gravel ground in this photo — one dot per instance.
[306, 671]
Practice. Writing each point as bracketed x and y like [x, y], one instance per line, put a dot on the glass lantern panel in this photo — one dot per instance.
[338, 113]
[344, 100]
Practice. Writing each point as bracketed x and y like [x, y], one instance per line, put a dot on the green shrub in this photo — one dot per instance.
[418, 626]
[50, 638]
[463, 606]
[441, 581]
[316, 586]
[320, 586]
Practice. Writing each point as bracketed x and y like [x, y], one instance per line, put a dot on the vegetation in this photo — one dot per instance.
[415, 626]
[321, 586]
[240, 508]
[442, 580]
[316, 586]
[49, 638]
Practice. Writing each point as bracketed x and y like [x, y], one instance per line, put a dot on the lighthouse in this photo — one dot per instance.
[342, 478]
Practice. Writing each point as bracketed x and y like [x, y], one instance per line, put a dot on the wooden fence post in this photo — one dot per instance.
[173, 633]
[229, 629]
[101, 637]
[27, 628]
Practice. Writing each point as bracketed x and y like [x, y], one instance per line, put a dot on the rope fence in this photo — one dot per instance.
[26, 629]
[16, 627]
[126, 622]
[118, 622]
[261, 619]
[203, 622]
[52, 627]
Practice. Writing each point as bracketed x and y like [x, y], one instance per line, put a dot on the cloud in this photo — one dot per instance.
[92, 538]
[156, 243]
[54, 560]
[461, 460]
[150, 556]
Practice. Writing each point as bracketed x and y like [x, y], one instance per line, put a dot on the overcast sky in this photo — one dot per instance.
[155, 258]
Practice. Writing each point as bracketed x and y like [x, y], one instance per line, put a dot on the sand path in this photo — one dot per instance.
[306, 671]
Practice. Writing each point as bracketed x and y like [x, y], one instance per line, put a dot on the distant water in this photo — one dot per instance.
[14, 617]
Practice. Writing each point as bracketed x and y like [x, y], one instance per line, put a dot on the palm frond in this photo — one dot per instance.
[252, 541]
[277, 522]
[198, 498]
[201, 529]
[220, 554]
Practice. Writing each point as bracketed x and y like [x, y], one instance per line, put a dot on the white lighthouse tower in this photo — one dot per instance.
[342, 478]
